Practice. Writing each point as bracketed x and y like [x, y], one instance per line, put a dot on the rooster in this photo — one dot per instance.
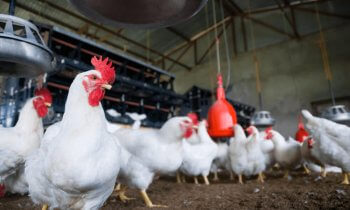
[331, 146]
[78, 161]
[287, 153]
[199, 157]
[151, 151]
[18, 142]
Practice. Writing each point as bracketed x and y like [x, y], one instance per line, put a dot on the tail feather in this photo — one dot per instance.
[307, 115]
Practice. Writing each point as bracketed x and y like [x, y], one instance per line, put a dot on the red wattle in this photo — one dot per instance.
[188, 133]
[96, 96]
[40, 107]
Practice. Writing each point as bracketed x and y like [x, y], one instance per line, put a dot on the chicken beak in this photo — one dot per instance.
[47, 104]
[106, 86]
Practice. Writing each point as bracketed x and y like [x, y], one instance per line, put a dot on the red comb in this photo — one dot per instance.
[45, 93]
[267, 130]
[300, 123]
[106, 69]
[193, 117]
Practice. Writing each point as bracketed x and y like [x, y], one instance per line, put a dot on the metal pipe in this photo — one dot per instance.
[331, 91]
[12, 6]
[260, 101]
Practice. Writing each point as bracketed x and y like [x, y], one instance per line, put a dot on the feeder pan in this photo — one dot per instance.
[23, 52]
[139, 13]
[337, 114]
[221, 115]
[262, 119]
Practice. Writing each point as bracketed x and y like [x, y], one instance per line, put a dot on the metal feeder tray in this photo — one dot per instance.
[337, 113]
[139, 13]
[262, 119]
[23, 52]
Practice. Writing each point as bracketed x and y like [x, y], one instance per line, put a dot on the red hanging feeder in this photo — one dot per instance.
[301, 133]
[221, 115]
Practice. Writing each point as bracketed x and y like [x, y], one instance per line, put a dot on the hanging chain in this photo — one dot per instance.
[217, 42]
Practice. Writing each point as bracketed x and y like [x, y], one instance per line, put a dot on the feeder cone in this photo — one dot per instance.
[221, 115]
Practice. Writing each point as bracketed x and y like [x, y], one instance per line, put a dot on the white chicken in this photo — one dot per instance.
[287, 153]
[151, 151]
[332, 145]
[237, 152]
[221, 160]
[267, 147]
[255, 156]
[309, 156]
[18, 142]
[78, 161]
[198, 157]
[137, 119]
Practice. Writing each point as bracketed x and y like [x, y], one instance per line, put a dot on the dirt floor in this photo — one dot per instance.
[299, 192]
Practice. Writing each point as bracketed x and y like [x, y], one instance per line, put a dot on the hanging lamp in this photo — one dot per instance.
[336, 113]
[139, 13]
[221, 115]
[23, 53]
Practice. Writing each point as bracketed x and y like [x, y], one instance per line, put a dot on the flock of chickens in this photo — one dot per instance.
[78, 163]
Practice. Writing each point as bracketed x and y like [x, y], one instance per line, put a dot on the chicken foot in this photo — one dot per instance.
[195, 180]
[178, 177]
[307, 170]
[261, 178]
[119, 192]
[240, 179]
[346, 178]
[286, 174]
[206, 181]
[231, 176]
[45, 207]
[323, 172]
[149, 202]
[216, 177]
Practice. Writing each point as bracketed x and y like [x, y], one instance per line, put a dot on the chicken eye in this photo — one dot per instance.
[93, 77]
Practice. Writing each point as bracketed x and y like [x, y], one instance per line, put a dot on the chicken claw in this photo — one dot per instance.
[206, 181]
[195, 180]
[149, 202]
[323, 172]
[261, 178]
[306, 170]
[119, 192]
[216, 177]
[240, 179]
[346, 178]
[178, 177]
[45, 207]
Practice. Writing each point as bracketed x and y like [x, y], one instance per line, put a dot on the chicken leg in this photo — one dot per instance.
[240, 179]
[346, 178]
[206, 181]
[183, 179]
[306, 170]
[231, 176]
[119, 192]
[45, 207]
[286, 174]
[149, 202]
[216, 177]
[261, 178]
[323, 172]
[195, 180]
[178, 177]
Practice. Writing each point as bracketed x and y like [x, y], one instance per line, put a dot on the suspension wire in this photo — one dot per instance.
[148, 44]
[325, 57]
[256, 61]
[208, 36]
[217, 42]
[228, 57]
